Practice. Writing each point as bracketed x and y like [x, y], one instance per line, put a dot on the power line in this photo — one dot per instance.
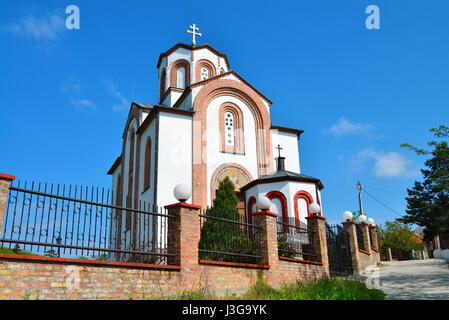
[384, 190]
[395, 212]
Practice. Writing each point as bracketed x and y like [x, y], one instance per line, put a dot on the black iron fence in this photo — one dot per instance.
[371, 237]
[294, 241]
[338, 250]
[82, 222]
[360, 241]
[225, 236]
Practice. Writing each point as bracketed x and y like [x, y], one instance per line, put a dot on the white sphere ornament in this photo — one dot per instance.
[314, 208]
[370, 221]
[347, 215]
[362, 218]
[263, 203]
[182, 192]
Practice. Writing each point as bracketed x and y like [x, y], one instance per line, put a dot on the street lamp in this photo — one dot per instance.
[362, 218]
[314, 208]
[263, 203]
[347, 215]
[182, 192]
[370, 221]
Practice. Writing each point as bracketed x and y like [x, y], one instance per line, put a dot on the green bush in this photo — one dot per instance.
[285, 250]
[225, 236]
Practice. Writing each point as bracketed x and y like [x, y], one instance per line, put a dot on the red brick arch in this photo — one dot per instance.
[247, 95]
[174, 70]
[279, 195]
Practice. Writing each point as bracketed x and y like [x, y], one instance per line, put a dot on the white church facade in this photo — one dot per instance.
[209, 123]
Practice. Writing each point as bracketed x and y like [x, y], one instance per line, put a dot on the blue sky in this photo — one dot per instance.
[357, 93]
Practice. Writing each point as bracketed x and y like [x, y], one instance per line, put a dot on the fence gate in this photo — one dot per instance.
[340, 263]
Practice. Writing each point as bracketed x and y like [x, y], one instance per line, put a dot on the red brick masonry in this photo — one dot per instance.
[36, 277]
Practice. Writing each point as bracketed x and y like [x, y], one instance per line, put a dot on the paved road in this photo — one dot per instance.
[415, 279]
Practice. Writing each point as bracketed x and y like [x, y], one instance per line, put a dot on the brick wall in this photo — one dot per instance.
[22, 278]
[37, 277]
[362, 258]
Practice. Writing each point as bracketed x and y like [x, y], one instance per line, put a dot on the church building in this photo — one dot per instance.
[209, 123]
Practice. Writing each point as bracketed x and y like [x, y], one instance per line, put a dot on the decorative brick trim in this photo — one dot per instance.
[301, 261]
[87, 262]
[203, 63]
[281, 197]
[316, 217]
[182, 204]
[374, 249]
[348, 222]
[233, 264]
[203, 99]
[268, 213]
[214, 181]
[309, 200]
[174, 73]
[239, 144]
[365, 252]
[7, 176]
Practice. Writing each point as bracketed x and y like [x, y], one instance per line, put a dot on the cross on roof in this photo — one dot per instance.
[279, 149]
[193, 32]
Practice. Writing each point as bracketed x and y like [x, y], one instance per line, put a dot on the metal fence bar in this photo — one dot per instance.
[360, 241]
[294, 241]
[226, 237]
[83, 223]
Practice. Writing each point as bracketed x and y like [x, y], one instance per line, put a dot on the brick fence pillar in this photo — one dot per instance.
[267, 237]
[184, 232]
[350, 229]
[5, 180]
[317, 224]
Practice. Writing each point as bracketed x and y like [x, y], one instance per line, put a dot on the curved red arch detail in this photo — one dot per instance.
[251, 202]
[306, 196]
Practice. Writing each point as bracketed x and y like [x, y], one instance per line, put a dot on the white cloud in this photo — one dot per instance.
[84, 105]
[71, 85]
[47, 26]
[386, 164]
[344, 126]
[124, 103]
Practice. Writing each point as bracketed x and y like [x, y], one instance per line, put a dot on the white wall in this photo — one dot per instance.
[441, 254]
[215, 158]
[290, 150]
[174, 155]
[289, 189]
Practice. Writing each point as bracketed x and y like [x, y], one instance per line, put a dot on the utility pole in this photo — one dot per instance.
[359, 188]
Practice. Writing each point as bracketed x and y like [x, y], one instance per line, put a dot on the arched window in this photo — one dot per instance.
[231, 129]
[162, 84]
[181, 78]
[204, 70]
[129, 193]
[251, 208]
[279, 206]
[180, 74]
[147, 165]
[302, 200]
[204, 73]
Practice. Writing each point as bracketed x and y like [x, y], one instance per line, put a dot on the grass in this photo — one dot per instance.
[321, 289]
[12, 251]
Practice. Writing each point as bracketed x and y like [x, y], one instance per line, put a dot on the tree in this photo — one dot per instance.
[220, 239]
[398, 235]
[428, 201]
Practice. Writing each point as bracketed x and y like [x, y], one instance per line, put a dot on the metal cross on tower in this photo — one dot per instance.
[194, 33]
[279, 149]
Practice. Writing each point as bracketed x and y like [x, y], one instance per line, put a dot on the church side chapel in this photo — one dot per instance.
[208, 124]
